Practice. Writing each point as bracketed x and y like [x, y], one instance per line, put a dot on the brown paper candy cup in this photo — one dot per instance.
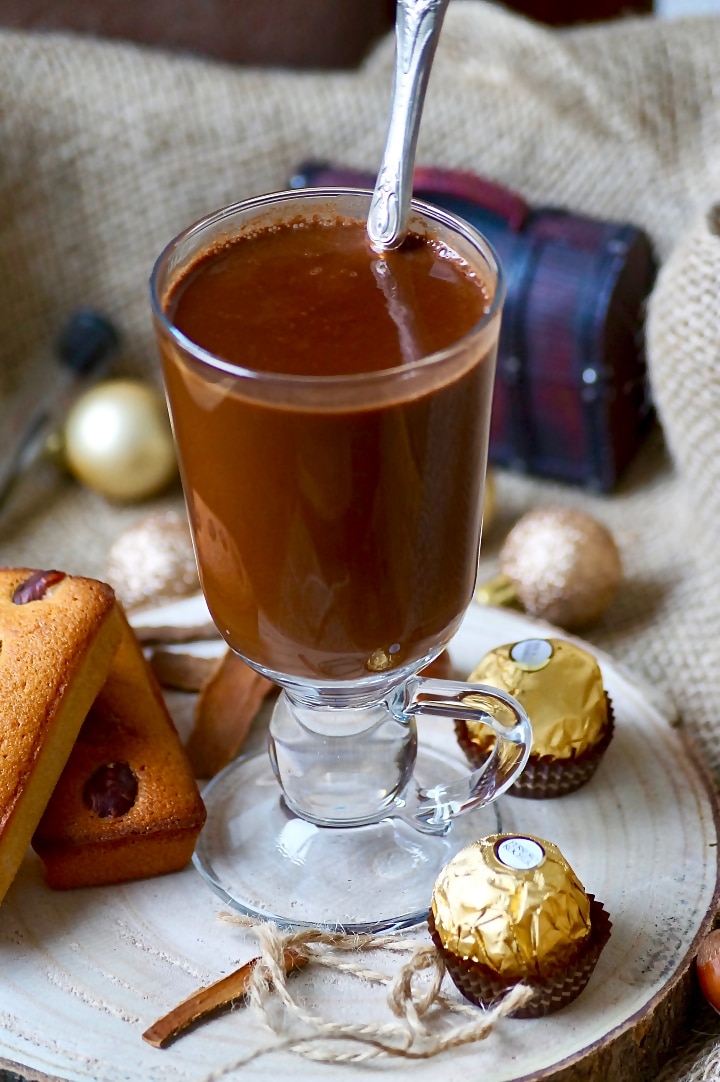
[482, 986]
[544, 776]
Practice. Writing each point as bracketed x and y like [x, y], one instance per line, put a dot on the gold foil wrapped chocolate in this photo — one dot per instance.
[513, 904]
[559, 684]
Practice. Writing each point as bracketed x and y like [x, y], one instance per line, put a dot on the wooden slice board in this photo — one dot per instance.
[84, 973]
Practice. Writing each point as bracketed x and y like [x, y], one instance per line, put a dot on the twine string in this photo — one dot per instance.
[424, 1013]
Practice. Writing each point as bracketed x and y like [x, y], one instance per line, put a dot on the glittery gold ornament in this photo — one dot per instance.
[117, 440]
[561, 565]
[153, 561]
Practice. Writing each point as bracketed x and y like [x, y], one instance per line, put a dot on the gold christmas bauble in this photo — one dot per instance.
[564, 565]
[117, 440]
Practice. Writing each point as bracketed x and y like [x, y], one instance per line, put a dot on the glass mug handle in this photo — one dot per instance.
[432, 809]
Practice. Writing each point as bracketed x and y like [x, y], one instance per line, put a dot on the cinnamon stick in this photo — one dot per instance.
[210, 999]
[224, 712]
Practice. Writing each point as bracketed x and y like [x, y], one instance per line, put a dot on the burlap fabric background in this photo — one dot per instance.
[107, 151]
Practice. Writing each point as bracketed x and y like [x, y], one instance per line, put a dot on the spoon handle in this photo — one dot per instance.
[417, 29]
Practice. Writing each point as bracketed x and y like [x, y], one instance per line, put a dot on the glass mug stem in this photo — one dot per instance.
[352, 767]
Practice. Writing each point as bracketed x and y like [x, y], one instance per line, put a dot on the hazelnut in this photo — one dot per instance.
[708, 968]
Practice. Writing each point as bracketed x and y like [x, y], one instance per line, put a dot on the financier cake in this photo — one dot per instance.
[58, 635]
[509, 910]
[560, 686]
[127, 805]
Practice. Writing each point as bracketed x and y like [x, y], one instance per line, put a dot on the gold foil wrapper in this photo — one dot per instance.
[564, 696]
[520, 922]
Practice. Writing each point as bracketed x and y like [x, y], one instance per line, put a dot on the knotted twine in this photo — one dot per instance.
[421, 1007]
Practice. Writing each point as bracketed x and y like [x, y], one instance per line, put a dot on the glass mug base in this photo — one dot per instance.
[347, 822]
[270, 864]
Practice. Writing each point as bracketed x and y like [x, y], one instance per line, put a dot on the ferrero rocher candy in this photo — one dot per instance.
[512, 903]
[510, 910]
[560, 686]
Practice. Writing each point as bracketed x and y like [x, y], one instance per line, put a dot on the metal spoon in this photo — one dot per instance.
[417, 29]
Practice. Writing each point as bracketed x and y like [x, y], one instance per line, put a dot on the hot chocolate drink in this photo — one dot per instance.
[332, 460]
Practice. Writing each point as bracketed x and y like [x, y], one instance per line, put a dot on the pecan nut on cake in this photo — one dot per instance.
[509, 910]
[561, 687]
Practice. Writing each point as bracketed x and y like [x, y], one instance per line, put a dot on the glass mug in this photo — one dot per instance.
[336, 521]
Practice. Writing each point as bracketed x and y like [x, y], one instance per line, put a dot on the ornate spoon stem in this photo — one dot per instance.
[417, 29]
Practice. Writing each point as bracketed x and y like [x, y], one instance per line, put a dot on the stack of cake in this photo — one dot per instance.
[92, 771]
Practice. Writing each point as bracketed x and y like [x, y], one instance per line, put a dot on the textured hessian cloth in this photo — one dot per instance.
[107, 151]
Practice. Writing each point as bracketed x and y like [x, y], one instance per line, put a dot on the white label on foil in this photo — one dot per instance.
[520, 853]
[532, 654]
